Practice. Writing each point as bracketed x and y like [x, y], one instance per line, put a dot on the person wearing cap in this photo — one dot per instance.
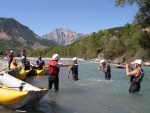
[105, 67]
[54, 68]
[40, 63]
[74, 69]
[136, 74]
[10, 57]
[23, 56]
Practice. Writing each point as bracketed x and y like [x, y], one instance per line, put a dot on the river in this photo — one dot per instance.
[91, 93]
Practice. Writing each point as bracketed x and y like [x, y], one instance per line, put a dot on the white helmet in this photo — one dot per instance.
[138, 61]
[11, 51]
[75, 58]
[23, 57]
[56, 57]
[102, 61]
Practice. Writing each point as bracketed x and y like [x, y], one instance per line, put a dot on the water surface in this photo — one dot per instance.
[92, 93]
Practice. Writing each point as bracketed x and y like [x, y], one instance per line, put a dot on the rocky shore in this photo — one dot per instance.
[3, 65]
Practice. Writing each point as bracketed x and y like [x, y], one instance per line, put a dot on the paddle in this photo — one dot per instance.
[20, 87]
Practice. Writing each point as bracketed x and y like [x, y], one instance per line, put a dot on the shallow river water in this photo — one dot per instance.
[92, 93]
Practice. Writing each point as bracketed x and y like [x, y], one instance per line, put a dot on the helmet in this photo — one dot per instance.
[11, 51]
[102, 61]
[23, 57]
[138, 61]
[75, 58]
[23, 50]
[56, 57]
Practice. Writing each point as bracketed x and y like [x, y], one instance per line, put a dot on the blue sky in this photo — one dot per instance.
[81, 16]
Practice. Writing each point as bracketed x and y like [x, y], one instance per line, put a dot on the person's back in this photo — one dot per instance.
[27, 64]
[40, 63]
[54, 66]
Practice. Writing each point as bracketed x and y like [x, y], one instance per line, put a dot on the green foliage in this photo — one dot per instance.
[124, 42]
[143, 14]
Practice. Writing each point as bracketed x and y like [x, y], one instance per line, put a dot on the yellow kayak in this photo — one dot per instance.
[14, 65]
[20, 74]
[39, 72]
[10, 97]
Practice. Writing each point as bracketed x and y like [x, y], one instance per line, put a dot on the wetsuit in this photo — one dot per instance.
[27, 64]
[108, 72]
[135, 83]
[74, 69]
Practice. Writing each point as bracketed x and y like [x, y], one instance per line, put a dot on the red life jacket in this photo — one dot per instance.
[53, 69]
[15, 63]
[11, 55]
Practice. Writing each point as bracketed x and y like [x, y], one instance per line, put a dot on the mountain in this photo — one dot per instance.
[63, 37]
[14, 36]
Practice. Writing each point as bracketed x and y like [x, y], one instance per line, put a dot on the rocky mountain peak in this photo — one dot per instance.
[63, 37]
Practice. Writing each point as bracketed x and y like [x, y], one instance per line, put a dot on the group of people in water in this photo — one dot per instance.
[53, 65]
[136, 75]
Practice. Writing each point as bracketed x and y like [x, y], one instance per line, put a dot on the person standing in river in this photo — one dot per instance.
[54, 68]
[74, 69]
[105, 67]
[137, 76]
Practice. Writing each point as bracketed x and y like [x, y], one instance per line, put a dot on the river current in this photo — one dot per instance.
[91, 93]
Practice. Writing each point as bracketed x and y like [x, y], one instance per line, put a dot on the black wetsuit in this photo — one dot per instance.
[74, 69]
[108, 72]
[54, 79]
[135, 83]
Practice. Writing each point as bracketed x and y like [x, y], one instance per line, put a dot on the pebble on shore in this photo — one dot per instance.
[3, 65]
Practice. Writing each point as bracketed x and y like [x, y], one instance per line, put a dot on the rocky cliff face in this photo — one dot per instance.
[63, 37]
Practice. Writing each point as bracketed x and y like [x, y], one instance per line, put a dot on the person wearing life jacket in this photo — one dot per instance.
[40, 63]
[10, 57]
[74, 69]
[137, 76]
[105, 67]
[23, 56]
[54, 68]
[27, 64]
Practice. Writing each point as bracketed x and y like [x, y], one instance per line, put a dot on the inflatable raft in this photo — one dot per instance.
[34, 93]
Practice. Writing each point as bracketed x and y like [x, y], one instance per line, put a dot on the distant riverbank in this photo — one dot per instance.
[44, 58]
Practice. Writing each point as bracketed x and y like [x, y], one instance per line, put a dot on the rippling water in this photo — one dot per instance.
[92, 93]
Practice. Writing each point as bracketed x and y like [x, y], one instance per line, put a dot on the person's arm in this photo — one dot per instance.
[69, 72]
[65, 65]
[7, 56]
[128, 73]
[101, 68]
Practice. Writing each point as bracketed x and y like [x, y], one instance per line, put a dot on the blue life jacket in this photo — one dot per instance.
[40, 63]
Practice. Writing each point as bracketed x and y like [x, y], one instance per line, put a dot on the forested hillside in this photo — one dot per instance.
[125, 43]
